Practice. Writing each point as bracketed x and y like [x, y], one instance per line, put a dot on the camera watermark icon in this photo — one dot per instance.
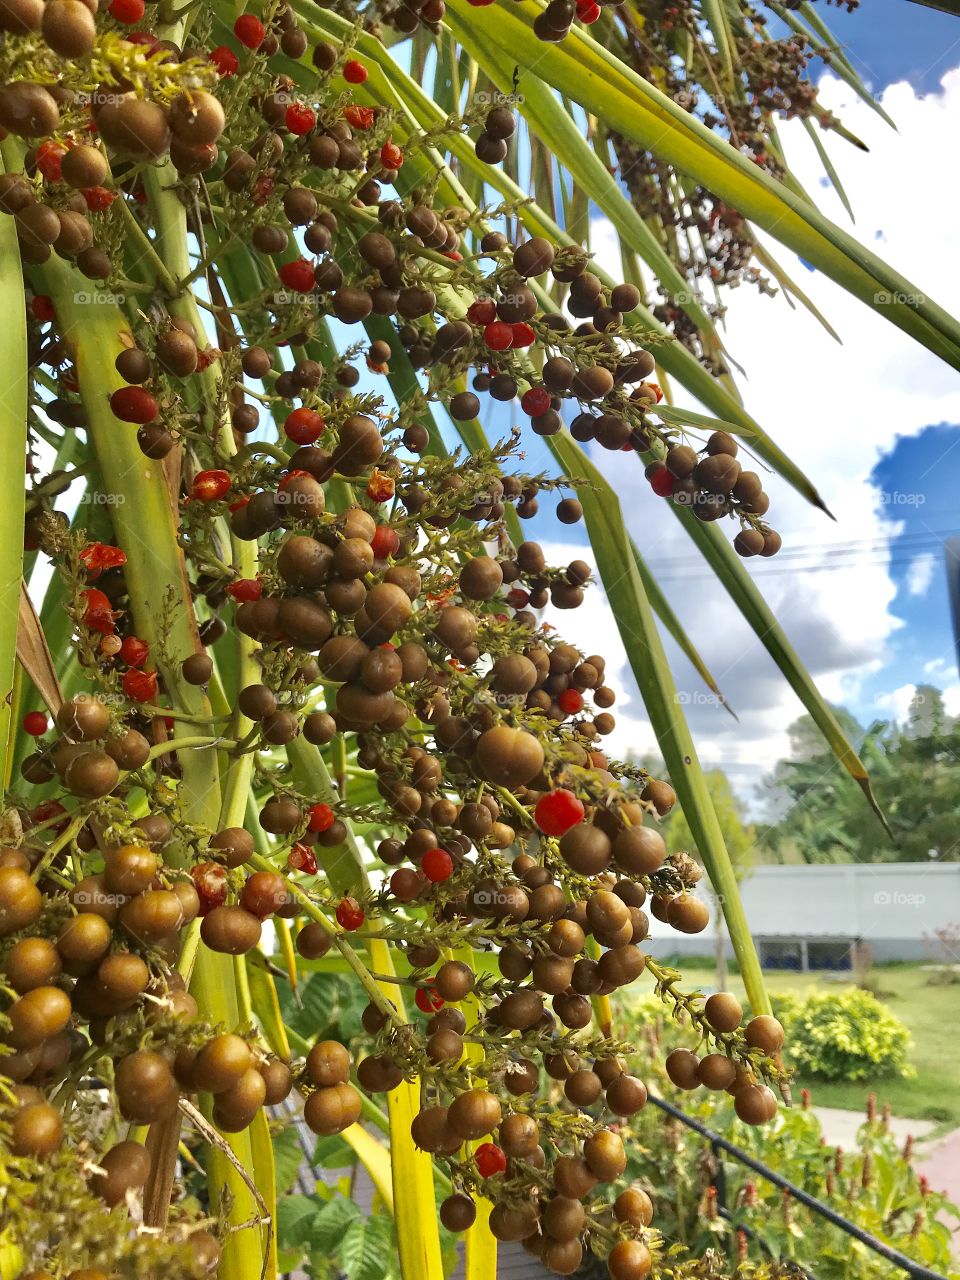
[493, 898]
[497, 99]
[898, 498]
[895, 297]
[686, 296]
[699, 698]
[287, 298]
[99, 499]
[508, 699]
[97, 898]
[294, 498]
[99, 297]
[100, 98]
[895, 898]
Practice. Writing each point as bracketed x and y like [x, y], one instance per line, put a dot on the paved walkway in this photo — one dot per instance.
[840, 1127]
[939, 1162]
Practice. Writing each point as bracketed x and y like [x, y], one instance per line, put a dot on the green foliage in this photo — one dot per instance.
[915, 779]
[330, 1005]
[874, 1186]
[288, 1157]
[844, 1035]
[332, 1238]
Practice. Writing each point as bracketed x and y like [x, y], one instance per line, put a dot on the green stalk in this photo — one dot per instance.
[13, 445]
[163, 614]
[648, 661]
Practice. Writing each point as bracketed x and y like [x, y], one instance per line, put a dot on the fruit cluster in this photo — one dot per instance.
[345, 598]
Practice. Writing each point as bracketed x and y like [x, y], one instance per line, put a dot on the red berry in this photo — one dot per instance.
[301, 858]
[480, 4]
[46, 810]
[498, 336]
[557, 812]
[208, 486]
[97, 613]
[321, 818]
[535, 401]
[588, 14]
[210, 881]
[391, 157]
[428, 1000]
[133, 404]
[100, 555]
[141, 686]
[134, 651]
[225, 60]
[98, 198]
[661, 482]
[304, 426]
[483, 311]
[42, 308]
[300, 118]
[298, 275]
[654, 390]
[380, 487]
[570, 701]
[437, 865]
[146, 38]
[385, 542]
[245, 589]
[49, 156]
[517, 598]
[523, 335]
[490, 1159]
[350, 914]
[249, 30]
[127, 11]
[354, 72]
[35, 723]
[359, 117]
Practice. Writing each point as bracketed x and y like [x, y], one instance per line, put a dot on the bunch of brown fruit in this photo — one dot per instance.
[344, 599]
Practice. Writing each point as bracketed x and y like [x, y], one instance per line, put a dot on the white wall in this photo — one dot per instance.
[881, 901]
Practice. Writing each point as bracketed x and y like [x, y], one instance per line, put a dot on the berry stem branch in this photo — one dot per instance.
[366, 978]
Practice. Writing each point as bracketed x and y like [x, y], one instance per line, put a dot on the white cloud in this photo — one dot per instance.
[936, 668]
[835, 410]
[920, 574]
[897, 702]
[951, 699]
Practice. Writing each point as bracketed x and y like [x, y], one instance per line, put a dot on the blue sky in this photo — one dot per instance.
[873, 422]
[917, 480]
[889, 40]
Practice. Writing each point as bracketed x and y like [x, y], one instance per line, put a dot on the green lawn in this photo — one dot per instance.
[932, 1014]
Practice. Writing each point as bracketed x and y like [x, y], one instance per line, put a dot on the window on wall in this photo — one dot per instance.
[780, 954]
[829, 955]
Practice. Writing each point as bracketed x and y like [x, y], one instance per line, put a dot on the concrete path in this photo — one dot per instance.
[939, 1162]
[840, 1127]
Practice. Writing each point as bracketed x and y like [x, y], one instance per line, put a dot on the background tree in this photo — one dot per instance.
[817, 815]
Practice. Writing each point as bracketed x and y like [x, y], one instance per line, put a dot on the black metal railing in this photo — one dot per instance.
[719, 1144]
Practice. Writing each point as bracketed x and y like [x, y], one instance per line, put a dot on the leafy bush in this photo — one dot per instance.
[844, 1035]
[874, 1185]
